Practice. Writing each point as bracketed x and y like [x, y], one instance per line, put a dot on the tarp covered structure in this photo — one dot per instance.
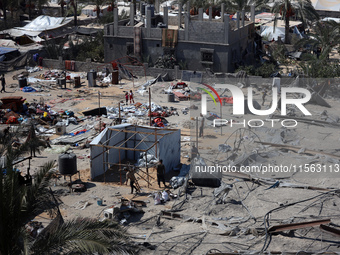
[268, 30]
[37, 27]
[326, 5]
[129, 142]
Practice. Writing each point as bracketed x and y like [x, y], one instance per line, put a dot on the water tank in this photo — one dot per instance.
[22, 82]
[67, 163]
[171, 97]
[91, 77]
[115, 77]
[77, 81]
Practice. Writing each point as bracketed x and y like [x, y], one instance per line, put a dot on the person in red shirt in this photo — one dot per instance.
[126, 98]
[131, 97]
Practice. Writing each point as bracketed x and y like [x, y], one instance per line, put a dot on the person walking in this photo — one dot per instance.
[131, 97]
[264, 94]
[3, 83]
[130, 175]
[160, 173]
[201, 121]
[126, 98]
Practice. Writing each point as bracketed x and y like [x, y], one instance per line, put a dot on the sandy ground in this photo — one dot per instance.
[237, 224]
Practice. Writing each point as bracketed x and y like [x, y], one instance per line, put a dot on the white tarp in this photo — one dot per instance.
[38, 25]
[270, 34]
[267, 30]
[330, 18]
[326, 5]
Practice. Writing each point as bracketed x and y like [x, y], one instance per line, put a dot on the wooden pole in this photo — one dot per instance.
[120, 115]
[99, 101]
[147, 169]
[156, 142]
[104, 166]
[120, 168]
[150, 105]
[197, 133]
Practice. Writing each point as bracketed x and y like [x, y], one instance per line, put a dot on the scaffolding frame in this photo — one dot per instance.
[121, 145]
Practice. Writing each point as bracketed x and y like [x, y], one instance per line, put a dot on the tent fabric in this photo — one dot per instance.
[326, 5]
[4, 50]
[10, 65]
[271, 34]
[43, 23]
[330, 18]
[37, 26]
[265, 16]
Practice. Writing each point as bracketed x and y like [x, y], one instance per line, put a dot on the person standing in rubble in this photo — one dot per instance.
[161, 173]
[201, 121]
[32, 141]
[131, 97]
[126, 98]
[264, 94]
[3, 83]
[130, 175]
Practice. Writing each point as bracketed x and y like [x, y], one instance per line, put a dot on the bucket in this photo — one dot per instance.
[100, 202]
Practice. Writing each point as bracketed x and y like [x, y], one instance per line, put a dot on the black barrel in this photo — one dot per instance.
[77, 81]
[22, 82]
[67, 163]
[171, 97]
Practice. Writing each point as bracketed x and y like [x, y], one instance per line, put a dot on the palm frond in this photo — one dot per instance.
[85, 236]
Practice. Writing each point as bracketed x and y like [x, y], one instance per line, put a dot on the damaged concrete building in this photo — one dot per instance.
[126, 142]
[195, 42]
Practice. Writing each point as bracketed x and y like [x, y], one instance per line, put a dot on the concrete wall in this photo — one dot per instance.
[228, 47]
[79, 66]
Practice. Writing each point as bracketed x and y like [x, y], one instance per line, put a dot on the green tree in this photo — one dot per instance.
[99, 3]
[303, 9]
[326, 36]
[62, 4]
[20, 203]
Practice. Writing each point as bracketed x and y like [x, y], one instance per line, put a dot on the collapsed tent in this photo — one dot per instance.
[37, 27]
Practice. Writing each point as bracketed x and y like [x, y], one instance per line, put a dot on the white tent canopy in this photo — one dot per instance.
[326, 5]
[37, 26]
[267, 30]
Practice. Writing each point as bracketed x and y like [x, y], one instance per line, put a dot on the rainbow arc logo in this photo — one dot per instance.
[204, 103]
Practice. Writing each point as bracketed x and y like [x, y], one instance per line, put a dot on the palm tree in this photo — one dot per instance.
[302, 9]
[238, 5]
[98, 3]
[4, 4]
[73, 3]
[19, 203]
[40, 4]
[325, 36]
[62, 3]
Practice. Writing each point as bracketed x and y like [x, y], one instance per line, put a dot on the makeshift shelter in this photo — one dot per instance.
[8, 53]
[268, 30]
[40, 26]
[129, 142]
